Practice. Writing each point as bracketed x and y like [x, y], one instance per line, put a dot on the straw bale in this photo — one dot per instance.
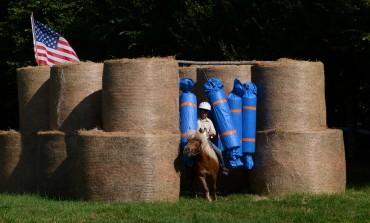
[75, 96]
[26, 169]
[10, 151]
[123, 166]
[17, 164]
[225, 73]
[33, 98]
[55, 164]
[291, 95]
[299, 162]
[188, 72]
[141, 94]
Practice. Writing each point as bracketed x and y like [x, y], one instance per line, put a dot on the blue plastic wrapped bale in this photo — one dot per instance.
[221, 113]
[188, 115]
[219, 143]
[247, 161]
[234, 99]
[232, 159]
[249, 100]
[188, 110]
[249, 118]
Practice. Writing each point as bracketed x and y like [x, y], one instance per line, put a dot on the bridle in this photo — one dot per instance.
[195, 151]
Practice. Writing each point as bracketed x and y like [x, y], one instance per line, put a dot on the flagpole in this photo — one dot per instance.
[34, 38]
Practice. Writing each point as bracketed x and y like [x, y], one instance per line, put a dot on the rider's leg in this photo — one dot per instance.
[220, 157]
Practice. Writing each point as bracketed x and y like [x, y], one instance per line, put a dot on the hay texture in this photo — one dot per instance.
[55, 164]
[33, 98]
[225, 73]
[127, 166]
[291, 95]
[75, 96]
[17, 162]
[10, 152]
[299, 162]
[188, 72]
[141, 94]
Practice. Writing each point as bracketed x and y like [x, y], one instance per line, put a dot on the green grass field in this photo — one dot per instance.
[351, 206]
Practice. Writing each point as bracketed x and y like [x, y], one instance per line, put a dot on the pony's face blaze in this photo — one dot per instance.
[192, 147]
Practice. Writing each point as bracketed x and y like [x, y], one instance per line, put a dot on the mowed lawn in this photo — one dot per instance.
[351, 206]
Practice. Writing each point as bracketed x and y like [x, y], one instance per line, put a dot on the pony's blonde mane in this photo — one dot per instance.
[205, 145]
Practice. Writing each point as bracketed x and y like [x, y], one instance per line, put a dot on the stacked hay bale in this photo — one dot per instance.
[188, 72]
[33, 94]
[75, 103]
[56, 164]
[133, 158]
[225, 73]
[138, 95]
[236, 180]
[75, 96]
[33, 97]
[10, 154]
[295, 150]
[17, 162]
[57, 98]
[127, 166]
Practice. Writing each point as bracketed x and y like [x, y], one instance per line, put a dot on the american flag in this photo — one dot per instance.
[50, 47]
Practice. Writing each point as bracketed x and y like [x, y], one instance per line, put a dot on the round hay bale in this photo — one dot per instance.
[291, 95]
[25, 172]
[188, 72]
[55, 164]
[299, 162]
[10, 152]
[75, 96]
[17, 162]
[33, 98]
[225, 73]
[141, 94]
[124, 166]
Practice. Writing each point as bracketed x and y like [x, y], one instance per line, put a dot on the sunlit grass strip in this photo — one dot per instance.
[351, 206]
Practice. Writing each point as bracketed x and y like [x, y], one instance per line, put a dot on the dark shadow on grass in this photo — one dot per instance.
[358, 171]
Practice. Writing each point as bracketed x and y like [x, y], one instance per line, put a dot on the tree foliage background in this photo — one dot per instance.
[336, 32]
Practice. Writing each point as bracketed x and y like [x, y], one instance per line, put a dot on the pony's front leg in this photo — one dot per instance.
[205, 188]
[214, 185]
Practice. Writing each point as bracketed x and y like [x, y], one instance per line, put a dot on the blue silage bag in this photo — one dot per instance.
[234, 99]
[219, 143]
[221, 113]
[188, 110]
[249, 100]
[247, 161]
[188, 115]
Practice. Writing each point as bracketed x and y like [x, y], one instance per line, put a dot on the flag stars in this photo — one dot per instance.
[46, 35]
[50, 47]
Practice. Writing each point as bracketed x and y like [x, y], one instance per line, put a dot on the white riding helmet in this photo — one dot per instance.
[205, 105]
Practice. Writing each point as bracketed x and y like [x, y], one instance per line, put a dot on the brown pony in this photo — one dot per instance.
[206, 163]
